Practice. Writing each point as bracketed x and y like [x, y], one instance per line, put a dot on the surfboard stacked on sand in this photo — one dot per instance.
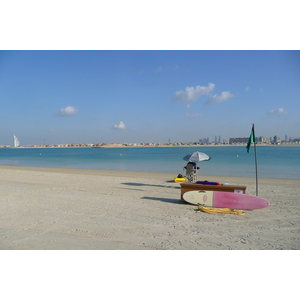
[225, 200]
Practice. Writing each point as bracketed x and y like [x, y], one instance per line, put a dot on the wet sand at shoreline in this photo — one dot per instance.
[52, 208]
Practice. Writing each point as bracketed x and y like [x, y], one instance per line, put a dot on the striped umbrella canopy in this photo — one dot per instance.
[196, 157]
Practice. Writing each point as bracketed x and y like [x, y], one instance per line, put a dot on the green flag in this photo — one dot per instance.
[251, 139]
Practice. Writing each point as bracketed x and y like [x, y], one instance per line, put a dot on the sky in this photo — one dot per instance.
[145, 96]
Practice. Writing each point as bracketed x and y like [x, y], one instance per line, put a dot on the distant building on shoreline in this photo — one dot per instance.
[238, 140]
[276, 140]
[260, 140]
[204, 140]
[16, 142]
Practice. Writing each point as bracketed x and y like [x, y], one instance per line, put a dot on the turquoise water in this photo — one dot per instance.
[273, 162]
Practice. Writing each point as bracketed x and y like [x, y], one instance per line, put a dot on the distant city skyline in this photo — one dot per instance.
[217, 139]
[147, 96]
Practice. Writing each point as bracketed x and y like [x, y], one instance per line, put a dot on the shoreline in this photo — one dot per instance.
[83, 209]
[156, 146]
[141, 174]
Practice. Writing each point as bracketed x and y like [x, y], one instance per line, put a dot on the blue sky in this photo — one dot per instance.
[147, 96]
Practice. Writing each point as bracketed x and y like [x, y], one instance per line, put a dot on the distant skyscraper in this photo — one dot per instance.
[276, 139]
[16, 142]
[204, 140]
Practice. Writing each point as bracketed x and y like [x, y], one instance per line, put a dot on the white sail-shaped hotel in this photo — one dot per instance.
[16, 142]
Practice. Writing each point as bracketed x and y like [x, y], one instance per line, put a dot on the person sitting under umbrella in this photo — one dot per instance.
[191, 167]
[191, 171]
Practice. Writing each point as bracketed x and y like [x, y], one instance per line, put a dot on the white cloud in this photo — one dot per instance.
[193, 115]
[220, 98]
[192, 93]
[121, 126]
[279, 111]
[68, 111]
[247, 89]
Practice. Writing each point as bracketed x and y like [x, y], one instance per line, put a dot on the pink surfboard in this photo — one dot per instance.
[225, 200]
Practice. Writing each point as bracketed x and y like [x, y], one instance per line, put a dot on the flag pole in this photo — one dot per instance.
[255, 161]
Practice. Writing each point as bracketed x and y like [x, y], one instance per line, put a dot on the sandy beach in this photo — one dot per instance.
[62, 209]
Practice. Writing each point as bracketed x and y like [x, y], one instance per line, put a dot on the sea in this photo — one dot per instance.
[272, 161]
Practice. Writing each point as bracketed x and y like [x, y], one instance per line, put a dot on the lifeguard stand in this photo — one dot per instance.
[191, 172]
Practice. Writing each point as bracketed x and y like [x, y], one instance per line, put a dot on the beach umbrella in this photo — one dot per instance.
[196, 157]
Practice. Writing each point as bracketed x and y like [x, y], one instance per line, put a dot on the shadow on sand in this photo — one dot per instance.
[145, 184]
[167, 200]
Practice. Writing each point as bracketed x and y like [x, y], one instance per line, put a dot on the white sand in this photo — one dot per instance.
[45, 208]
